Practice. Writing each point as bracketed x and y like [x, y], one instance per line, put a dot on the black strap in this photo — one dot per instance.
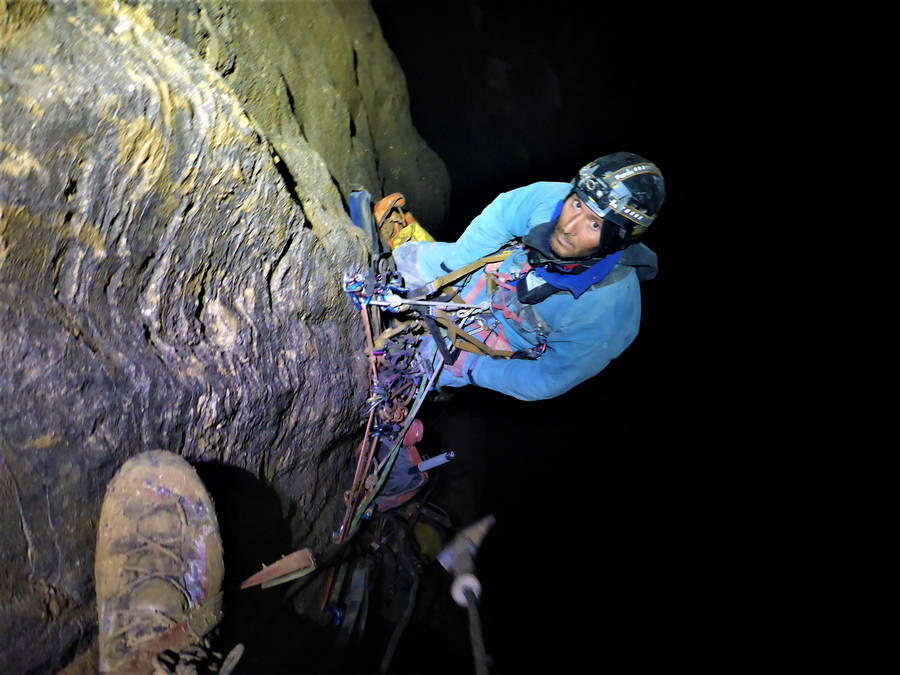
[450, 356]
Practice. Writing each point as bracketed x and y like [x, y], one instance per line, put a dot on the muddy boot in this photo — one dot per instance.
[158, 568]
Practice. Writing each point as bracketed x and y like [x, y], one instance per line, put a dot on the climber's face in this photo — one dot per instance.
[577, 231]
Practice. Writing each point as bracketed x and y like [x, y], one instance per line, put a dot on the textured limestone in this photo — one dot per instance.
[172, 241]
[336, 84]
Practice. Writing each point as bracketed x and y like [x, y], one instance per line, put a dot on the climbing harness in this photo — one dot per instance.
[459, 336]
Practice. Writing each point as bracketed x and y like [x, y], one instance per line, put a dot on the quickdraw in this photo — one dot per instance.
[400, 378]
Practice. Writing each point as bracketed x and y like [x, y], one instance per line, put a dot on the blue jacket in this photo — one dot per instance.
[583, 335]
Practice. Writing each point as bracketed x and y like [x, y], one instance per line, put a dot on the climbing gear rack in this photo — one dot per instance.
[400, 376]
[400, 379]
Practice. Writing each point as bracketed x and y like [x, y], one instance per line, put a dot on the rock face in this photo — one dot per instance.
[172, 243]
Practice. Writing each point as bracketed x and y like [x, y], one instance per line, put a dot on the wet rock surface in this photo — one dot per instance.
[172, 242]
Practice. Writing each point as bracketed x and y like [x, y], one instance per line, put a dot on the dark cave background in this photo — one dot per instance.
[594, 555]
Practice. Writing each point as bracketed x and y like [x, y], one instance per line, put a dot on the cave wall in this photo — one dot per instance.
[172, 243]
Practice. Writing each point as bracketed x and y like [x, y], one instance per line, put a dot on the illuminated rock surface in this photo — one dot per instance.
[172, 242]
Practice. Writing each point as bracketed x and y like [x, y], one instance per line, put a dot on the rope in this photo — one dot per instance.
[478, 651]
[385, 467]
[367, 446]
[401, 627]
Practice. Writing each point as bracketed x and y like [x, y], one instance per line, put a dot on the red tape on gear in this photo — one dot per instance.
[414, 433]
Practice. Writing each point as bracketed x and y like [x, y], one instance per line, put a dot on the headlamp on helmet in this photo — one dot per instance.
[624, 189]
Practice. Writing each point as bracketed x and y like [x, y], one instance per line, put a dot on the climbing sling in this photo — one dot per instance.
[432, 287]
[459, 337]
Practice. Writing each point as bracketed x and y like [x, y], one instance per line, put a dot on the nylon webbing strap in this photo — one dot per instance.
[449, 357]
[459, 338]
[450, 277]
[387, 334]
[466, 341]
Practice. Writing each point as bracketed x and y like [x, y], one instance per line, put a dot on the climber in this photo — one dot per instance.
[564, 294]
[538, 294]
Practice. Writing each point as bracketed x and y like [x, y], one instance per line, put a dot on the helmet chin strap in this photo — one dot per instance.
[610, 241]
